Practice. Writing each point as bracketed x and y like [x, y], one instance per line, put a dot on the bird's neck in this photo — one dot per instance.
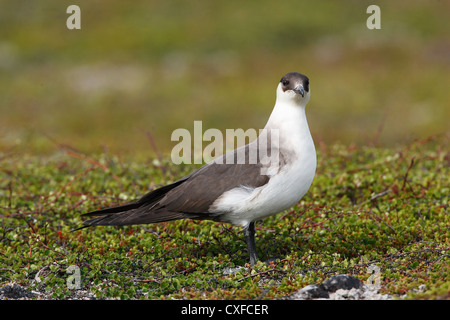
[294, 137]
[289, 118]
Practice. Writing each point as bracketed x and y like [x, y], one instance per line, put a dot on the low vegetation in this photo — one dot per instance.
[367, 206]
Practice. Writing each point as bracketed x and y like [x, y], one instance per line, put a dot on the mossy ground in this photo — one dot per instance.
[136, 71]
[367, 206]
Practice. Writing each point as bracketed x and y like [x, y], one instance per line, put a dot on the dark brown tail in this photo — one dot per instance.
[132, 213]
[142, 211]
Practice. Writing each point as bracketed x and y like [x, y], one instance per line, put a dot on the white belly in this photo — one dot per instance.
[242, 205]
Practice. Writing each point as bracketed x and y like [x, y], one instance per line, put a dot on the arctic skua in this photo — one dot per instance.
[250, 183]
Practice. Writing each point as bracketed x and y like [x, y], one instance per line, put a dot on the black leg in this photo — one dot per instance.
[249, 233]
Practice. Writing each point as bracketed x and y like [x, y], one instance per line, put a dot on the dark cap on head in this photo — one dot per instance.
[293, 80]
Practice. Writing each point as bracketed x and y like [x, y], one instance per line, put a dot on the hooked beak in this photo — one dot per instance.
[299, 89]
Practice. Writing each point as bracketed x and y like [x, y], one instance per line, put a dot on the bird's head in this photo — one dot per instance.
[294, 87]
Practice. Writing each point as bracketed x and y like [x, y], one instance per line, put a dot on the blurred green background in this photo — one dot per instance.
[139, 67]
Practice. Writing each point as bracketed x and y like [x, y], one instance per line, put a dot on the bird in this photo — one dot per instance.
[237, 192]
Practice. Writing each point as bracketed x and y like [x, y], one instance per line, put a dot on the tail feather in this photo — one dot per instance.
[140, 215]
[112, 210]
[142, 211]
[110, 216]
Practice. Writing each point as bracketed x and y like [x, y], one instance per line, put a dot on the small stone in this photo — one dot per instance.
[340, 287]
[309, 292]
[422, 288]
[342, 281]
[15, 291]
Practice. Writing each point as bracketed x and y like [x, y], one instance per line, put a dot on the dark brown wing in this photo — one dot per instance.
[189, 197]
[199, 192]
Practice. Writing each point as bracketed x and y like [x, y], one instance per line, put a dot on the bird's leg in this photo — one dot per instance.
[249, 233]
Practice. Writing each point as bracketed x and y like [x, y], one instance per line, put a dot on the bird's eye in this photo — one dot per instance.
[285, 82]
